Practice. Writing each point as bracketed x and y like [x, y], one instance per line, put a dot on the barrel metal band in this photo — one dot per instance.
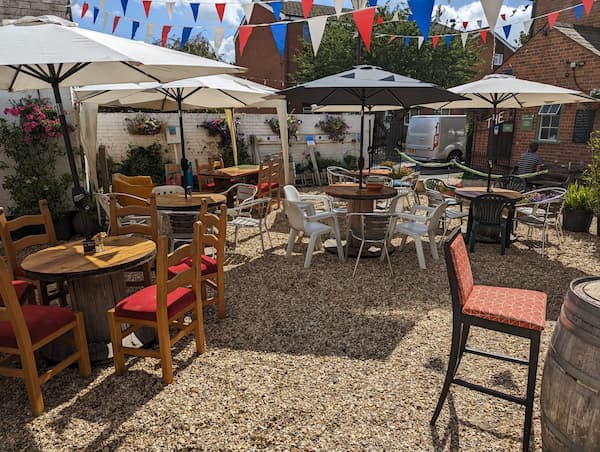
[593, 384]
[566, 318]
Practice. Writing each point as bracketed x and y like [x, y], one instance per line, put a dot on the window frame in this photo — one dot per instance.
[546, 112]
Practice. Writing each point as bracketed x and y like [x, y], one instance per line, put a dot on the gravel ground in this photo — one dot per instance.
[313, 359]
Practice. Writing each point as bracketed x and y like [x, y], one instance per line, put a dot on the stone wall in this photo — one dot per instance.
[12, 9]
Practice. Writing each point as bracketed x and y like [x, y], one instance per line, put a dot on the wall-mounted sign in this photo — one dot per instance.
[584, 124]
[507, 127]
[527, 122]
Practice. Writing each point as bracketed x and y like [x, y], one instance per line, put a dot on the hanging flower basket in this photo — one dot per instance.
[292, 122]
[143, 124]
[334, 126]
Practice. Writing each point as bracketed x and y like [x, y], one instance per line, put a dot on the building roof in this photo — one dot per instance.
[294, 9]
[585, 36]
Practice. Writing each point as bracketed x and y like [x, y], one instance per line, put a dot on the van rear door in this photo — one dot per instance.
[421, 136]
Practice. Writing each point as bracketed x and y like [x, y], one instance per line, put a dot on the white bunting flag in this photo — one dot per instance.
[316, 26]
[478, 23]
[104, 21]
[219, 32]
[527, 26]
[420, 40]
[395, 18]
[170, 6]
[491, 9]
[463, 37]
[248, 7]
[102, 3]
[149, 32]
[355, 4]
[338, 5]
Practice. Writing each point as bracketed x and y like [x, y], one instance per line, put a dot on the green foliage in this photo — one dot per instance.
[579, 197]
[350, 161]
[444, 66]
[292, 122]
[196, 45]
[144, 161]
[218, 127]
[334, 126]
[32, 151]
[592, 174]
[142, 124]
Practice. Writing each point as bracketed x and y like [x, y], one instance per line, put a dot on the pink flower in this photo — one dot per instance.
[30, 116]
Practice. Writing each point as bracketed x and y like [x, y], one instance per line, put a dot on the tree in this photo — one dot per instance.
[338, 52]
[196, 45]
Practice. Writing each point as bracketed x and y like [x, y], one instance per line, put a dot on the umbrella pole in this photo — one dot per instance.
[361, 158]
[184, 161]
[494, 152]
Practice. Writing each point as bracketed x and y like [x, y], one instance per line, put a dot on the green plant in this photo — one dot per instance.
[144, 161]
[218, 127]
[350, 161]
[334, 126]
[592, 174]
[32, 150]
[142, 124]
[292, 122]
[579, 197]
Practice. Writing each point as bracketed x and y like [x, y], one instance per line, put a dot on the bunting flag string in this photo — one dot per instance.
[316, 28]
[220, 7]
[363, 18]
[244, 33]
[307, 6]
[276, 6]
[434, 41]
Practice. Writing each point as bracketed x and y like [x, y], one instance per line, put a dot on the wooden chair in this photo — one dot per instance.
[269, 181]
[162, 306]
[205, 183]
[138, 186]
[216, 162]
[213, 234]
[12, 247]
[25, 329]
[148, 229]
[518, 312]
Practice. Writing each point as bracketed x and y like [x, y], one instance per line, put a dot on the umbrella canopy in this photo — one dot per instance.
[47, 51]
[364, 87]
[508, 91]
[216, 91]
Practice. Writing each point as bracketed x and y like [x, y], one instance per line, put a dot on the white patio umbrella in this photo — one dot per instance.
[50, 52]
[507, 91]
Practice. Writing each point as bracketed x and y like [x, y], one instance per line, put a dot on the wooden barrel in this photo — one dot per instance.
[570, 397]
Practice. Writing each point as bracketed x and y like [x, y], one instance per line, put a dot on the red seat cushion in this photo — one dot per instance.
[516, 307]
[208, 265]
[20, 288]
[142, 305]
[41, 322]
[462, 268]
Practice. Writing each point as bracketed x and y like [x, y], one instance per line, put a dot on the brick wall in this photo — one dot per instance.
[12, 9]
[544, 59]
[113, 134]
[547, 6]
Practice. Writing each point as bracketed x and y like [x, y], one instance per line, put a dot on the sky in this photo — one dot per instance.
[460, 10]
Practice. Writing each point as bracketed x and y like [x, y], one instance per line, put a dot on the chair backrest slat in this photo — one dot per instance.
[117, 212]
[487, 208]
[458, 266]
[11, 310]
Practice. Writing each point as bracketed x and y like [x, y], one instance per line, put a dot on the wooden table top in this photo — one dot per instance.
[376, 171]
[67, 261]
[351, 191]
[194, 202]
[232, 171]
[473, 192]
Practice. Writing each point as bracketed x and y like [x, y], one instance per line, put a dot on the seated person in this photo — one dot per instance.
[530, 161]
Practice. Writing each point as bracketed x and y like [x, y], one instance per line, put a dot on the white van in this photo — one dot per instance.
[436, 137]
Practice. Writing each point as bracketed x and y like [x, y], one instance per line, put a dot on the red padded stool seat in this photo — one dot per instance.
[41, 322]
[142, 305]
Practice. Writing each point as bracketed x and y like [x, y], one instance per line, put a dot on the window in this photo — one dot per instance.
[549, 122]
[498, 59]
[306, 33]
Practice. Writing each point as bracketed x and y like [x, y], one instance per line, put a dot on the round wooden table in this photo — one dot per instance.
[360, 200]
[193, 202]
[96, 282]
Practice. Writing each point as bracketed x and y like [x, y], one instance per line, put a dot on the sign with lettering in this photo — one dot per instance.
[527, 122]
[584, 124]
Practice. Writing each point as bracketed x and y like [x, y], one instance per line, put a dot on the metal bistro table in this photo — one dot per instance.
[223, 176]
[469, 193]
[360, 200]
[96, 283]
[191, 202]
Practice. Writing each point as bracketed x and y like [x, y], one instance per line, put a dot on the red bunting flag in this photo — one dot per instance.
[392, 39]
[587, 6]
[306, 7]
[552, 19]
[147, 4]
[166, 29]
[220, 10]
[379, 20]
[85, 7]
[465, 24]
[503, 16]
[483, 34]
[116, 23]
[244, 33]
[363, 18]
[434, 41]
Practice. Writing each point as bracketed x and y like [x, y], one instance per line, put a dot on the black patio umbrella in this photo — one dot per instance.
[367, 86]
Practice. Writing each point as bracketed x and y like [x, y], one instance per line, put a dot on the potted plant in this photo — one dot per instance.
[334, 126]
[592, 175]
[142, 124]
[579, 208]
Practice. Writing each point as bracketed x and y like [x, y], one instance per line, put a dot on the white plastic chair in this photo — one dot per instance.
[434, 199]
[309, 225]
[168, 190]
[318, 206]
[541, 209]
[102, 203]
[374, 230]
[241, 193]
[417, 226]
[337, 175]
[252, 214]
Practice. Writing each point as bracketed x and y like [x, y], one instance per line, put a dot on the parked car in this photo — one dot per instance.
[436, 137]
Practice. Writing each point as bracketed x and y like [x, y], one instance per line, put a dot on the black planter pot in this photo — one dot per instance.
[64, 226]
[576, 220]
